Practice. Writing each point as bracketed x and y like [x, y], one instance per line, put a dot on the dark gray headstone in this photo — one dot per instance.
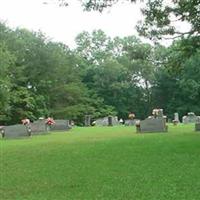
[110, 123]
[38, 127]
[197, 127]
[17, 130]
[87, 120]
[153, 125]
[60, 125]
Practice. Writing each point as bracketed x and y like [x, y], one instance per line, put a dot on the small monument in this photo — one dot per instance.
[60, 125]
[18, 130]
[105, 121]
[87, 120]
[2, 131]
[197, 124]
[189, 118]
[156, 123]
[39, 127]
[110, 121]
[176, 119]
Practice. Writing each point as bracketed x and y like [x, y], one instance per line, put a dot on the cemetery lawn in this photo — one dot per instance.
[102, 163]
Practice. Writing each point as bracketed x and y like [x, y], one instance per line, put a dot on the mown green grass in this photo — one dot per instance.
[102, 163]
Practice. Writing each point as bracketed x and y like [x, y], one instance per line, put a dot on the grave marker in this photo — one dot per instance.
[156, 123]
[60, 125]
[17, 130]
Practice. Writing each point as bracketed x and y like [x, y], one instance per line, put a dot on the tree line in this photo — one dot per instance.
[101, 76]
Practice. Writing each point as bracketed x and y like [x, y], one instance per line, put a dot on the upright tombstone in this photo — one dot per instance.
[190, 118]
[38, 127]
[87, 120]
[106, 120]
[197, 124]
[110, 121]
[176, 119]
[60, 125]
[18, 130]
[160, 113]
[157, 123]
[2, 131]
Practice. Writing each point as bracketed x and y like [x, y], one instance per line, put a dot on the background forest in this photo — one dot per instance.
[101, 76]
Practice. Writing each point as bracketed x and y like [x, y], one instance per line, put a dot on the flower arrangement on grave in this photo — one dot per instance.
[137, 124]
[25, 121]
[131, 116]
[50, 121]
[155, 112]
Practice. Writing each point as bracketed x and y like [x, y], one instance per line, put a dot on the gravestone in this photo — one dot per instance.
[87, 120]
[157, 123]
[110, 123]
[197, 127]
[176, 117]
[17, 130]
[190, 118]
[2, 131]
[39, 127]
[130, 122]
[197, 124]
[60, 125]
[153, 125]
[104, 121]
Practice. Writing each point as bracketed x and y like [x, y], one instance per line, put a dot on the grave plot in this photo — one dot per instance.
[38, 127]
[155, 123]
[18, 130]
[197, 124]
[107, 121]
[60, 125]
[190, 118]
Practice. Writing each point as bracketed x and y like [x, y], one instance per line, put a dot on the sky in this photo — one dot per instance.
[63, 24]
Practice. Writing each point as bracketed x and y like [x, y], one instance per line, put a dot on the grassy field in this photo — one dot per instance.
[102, 163]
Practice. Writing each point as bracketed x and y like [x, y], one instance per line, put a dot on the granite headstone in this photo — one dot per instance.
[156, 123]
[18, 130]
[87, 120]
[38, 127]
[60, 125]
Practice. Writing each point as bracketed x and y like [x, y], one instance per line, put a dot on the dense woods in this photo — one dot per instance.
[101, 76]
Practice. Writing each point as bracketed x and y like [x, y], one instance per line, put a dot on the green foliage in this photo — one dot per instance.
[101, 77]
[6, 61]
[161, 17]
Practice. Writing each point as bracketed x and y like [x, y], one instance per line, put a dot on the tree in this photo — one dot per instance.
[6, 61]
[160, 16]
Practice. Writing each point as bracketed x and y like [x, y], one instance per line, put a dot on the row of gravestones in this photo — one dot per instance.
[105, 121]
[157, 123]
[35, 128]
[109, 121]
[189, 118]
